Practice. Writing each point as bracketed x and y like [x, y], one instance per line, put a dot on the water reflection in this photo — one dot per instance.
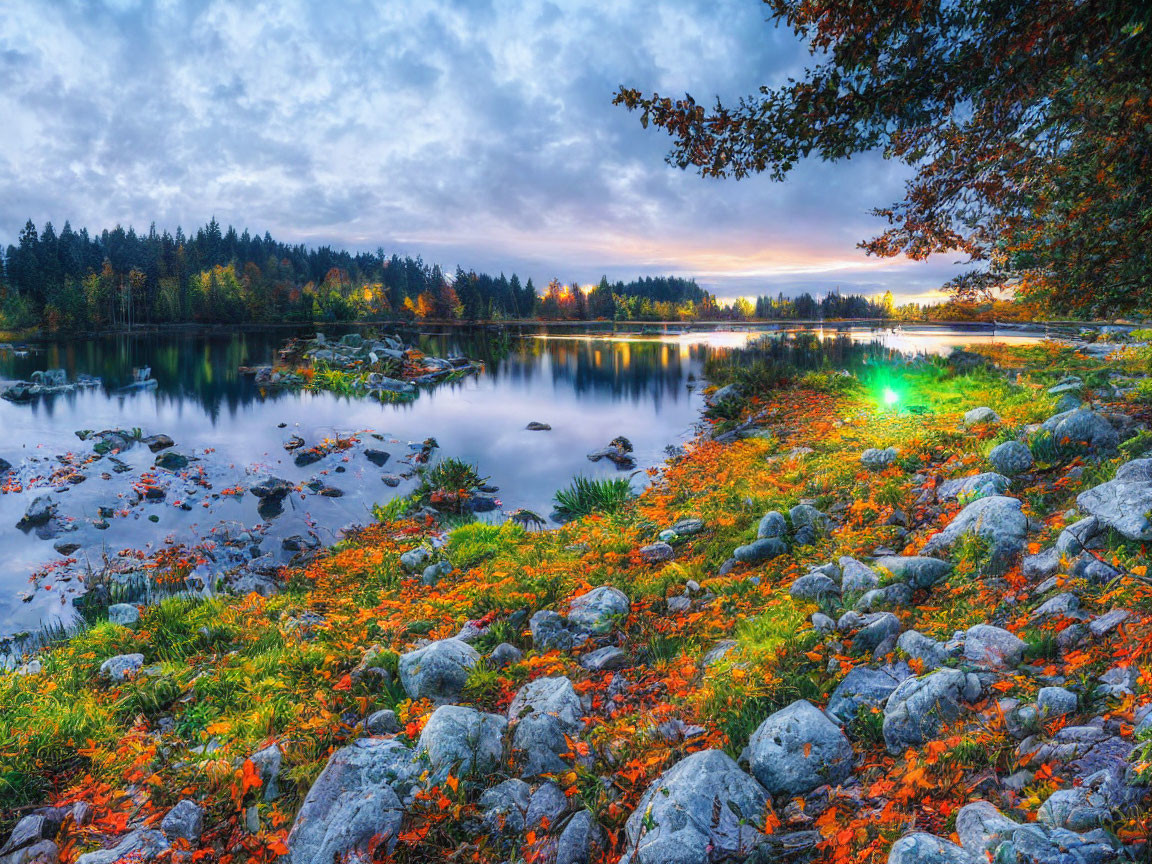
[590, 386]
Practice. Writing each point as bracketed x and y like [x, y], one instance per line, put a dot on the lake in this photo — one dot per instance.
[590, 384]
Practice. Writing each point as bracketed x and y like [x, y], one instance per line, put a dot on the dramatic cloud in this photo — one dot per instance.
[473, 133]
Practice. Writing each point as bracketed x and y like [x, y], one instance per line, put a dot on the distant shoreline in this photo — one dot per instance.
[687, 326]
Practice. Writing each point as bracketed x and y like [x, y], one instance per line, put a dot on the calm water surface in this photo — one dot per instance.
[590, 386]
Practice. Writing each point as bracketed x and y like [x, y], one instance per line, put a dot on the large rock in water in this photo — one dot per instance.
[998, 520]
[920, 707]
[462, 740]
[351, 810]
[438, 671]
[703, 809]
[39, 511]
[797, 749]
[1124, 502]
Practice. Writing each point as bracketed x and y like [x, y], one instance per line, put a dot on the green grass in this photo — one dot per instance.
[587, 496]
[477, 542]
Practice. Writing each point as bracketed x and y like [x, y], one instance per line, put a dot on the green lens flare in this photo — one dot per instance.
[891, 397]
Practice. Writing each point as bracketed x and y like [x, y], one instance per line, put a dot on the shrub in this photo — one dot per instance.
[586, 496]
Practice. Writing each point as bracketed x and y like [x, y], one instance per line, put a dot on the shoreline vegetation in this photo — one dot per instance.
[73, 283]
[899, 615]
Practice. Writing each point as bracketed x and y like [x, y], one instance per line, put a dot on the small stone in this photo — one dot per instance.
[604, 659]
[382, 723]
[1056, 702]
[655, 553]
[184, 822]
[121, 667]
[877, 459]
[504, 655]
[124, 614]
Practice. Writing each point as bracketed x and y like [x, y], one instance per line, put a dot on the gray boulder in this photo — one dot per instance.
[657, 553]
[763, 549]
[540, 746]
[797, 749]
[184, 822]
[926, 849]
[920, 570]
[981, 416]
[438, 671]
[1124, 502]
[415, 559]
[876, 628]
[807, 516]
[993, 647]
[877, 459]
[978, 485]
[39, 511]
[136, 846]
[981, 827]
[580, 840]
[552, 696]
[504, 655]
[1082, 807]
[604, 659]
[928, 651]
[267, 762]
[998, 520]
[550, 630]
[1056, 702]
[121, 667]
[505, 806]
[599, 610]
[704, 809]
[855, 577]
[772, 524]
[1084, 429]
[124, 614]
[547, 807]
[1042, 564]
[727, 394]
[352, 809]
[1010, 458]
[865, 688]
[813, 586]
[461, 740]
[920, 707]
[1078, 536]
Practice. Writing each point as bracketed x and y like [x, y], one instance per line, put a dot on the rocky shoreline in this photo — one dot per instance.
[833, 630]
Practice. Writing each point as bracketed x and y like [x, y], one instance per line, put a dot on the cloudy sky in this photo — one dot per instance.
[478, 133]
